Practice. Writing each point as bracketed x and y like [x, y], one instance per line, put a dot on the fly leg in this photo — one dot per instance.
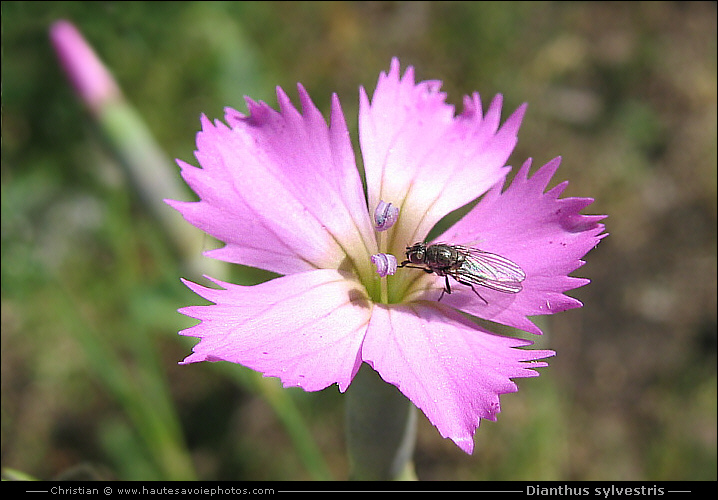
[466, 283]
[447, 288]
[474, 289]
[406, 263]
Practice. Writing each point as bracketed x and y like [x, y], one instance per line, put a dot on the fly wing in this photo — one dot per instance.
[490, 270]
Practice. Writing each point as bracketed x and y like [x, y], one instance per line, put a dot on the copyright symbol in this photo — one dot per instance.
[108, 490]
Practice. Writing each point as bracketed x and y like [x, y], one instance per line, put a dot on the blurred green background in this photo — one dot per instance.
[625, 92]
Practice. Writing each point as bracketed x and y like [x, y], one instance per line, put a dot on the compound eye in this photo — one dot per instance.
[417, 257]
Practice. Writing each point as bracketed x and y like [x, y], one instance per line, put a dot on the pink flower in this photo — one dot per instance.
[282, 191]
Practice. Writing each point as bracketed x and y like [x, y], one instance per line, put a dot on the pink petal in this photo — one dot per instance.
[450, 368]
[544, 234]
[281, 189]
[421, 157]
[305, 328]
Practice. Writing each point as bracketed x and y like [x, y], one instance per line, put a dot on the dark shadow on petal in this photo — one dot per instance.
[358, 298]
[346, 265]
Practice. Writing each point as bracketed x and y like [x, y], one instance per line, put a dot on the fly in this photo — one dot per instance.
[467, 265]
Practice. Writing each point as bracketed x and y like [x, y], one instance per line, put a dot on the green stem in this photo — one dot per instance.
[381, 429]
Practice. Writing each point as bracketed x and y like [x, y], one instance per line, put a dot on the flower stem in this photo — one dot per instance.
[381, 429]
[147, 166]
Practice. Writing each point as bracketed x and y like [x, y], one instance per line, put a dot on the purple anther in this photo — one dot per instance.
[385, 263]
[385, 216]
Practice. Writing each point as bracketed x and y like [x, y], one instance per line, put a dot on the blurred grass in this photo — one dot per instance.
[626, 93]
